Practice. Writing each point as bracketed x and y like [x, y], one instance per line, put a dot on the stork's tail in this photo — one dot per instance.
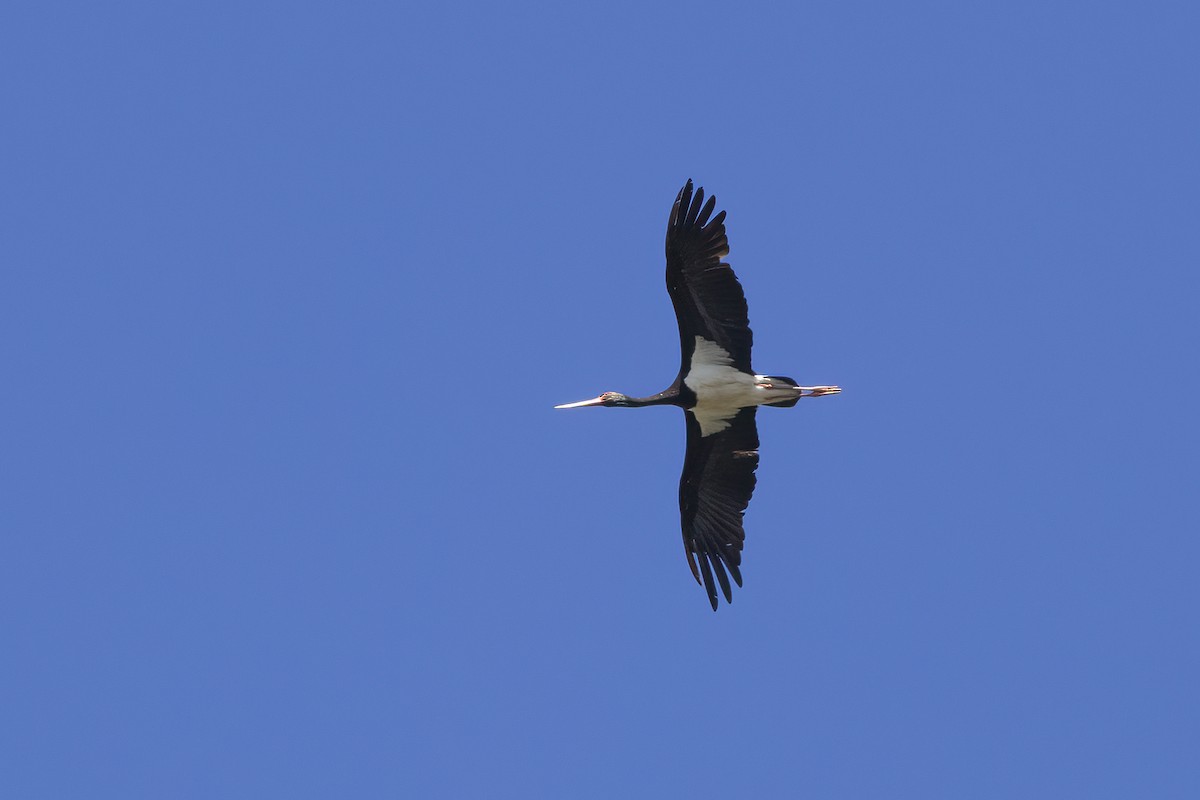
[778, 381]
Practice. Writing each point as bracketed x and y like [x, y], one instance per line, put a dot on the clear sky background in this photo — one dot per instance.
[287, 294]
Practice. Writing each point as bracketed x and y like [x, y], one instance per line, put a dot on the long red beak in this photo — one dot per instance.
[595, 401]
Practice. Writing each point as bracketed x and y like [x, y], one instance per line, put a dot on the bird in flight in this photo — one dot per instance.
[717, 389]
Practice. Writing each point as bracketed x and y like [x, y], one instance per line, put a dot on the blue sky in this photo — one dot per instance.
[288, 293]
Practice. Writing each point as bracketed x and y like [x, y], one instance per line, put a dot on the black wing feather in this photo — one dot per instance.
[714, 490]
[708, 581]
[722, 579]
[708, 299]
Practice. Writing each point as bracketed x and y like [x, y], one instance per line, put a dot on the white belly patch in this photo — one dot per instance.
[722, 390]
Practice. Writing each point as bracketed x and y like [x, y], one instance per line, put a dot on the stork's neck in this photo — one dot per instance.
[666, 397]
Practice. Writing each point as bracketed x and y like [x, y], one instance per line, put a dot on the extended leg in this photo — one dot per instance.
[817, 391]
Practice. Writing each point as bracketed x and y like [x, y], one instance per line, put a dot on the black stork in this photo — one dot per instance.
[717, 390]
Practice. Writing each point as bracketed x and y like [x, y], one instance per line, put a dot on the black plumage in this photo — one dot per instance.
[708, 299]
[714, 491]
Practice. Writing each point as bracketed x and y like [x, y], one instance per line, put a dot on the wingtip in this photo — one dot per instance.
[684, 198]
[710, 587]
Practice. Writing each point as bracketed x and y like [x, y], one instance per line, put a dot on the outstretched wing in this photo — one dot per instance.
[714, 490]
[708, 299]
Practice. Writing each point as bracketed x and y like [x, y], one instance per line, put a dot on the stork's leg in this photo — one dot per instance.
[817, 391]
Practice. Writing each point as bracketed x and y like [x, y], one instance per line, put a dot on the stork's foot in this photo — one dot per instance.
[818, 391]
